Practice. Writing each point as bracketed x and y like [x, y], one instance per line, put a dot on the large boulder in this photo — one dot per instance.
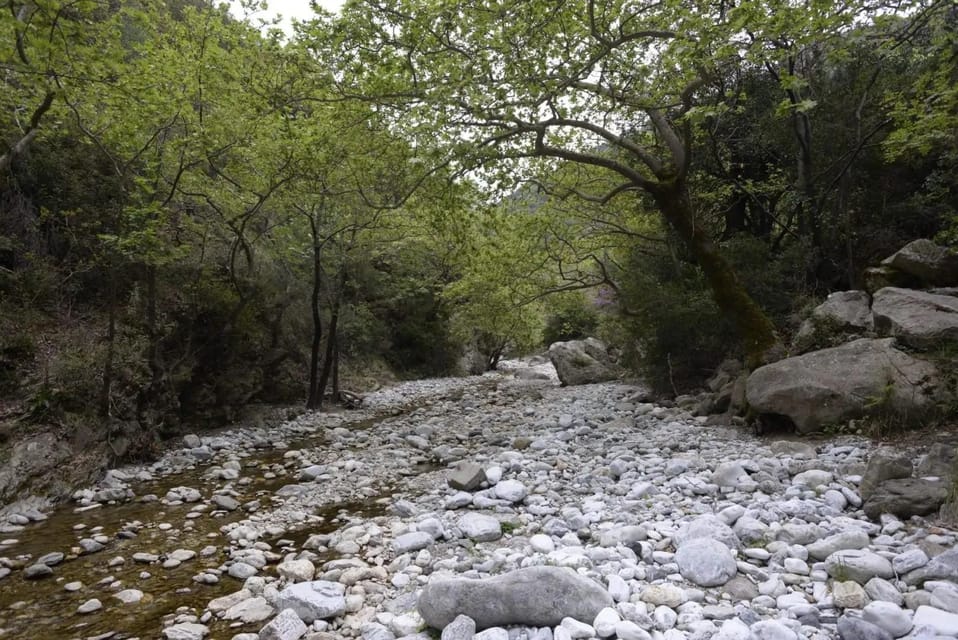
[582, 362]
[926, 261]
[842, 314]
[531, 597]
[906, 497]
[918, 319]
[835, 385]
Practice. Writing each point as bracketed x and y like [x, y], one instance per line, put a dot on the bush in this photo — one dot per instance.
[569, 316]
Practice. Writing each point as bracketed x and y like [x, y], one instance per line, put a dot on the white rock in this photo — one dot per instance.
[705, 562]
[942, 622]
[577, 629]
[480, 527]
[889, 617]
[511, 490]
[605, 622]
[542, 543]
[285, 626]
[90, 606]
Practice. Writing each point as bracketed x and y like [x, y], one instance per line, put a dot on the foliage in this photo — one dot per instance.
[569, 316]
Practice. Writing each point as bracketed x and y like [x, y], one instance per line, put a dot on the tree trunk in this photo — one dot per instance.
[752, 324]
[314, 399]
[106, 387]
[331, 338]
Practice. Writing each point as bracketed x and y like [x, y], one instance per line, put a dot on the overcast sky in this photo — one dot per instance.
[290, 9]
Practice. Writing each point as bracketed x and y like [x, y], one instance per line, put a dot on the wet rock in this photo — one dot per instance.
[37, 571]
[129, 596]
[90, 606]
[186, 631]
[535, 596]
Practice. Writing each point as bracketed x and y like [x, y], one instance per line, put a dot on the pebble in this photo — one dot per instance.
[691, 531]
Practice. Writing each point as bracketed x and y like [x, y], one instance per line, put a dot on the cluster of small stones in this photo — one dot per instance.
[693, 531]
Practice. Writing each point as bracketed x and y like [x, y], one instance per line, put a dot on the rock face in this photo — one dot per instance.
[906, 497]
[582, 362]
[534, 596]
[842, 313]
[834, 385]
[311, 601]
[918, 319]
[927, 262]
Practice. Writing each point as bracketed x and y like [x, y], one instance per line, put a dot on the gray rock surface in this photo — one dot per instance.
[926, 261]
[834, 385]
[705, 562]
[317, 600]
[535, 596]
[582, 362]
[918, 319]
[906, 497]
[844, 313]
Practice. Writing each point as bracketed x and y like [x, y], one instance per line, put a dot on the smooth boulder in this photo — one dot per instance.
[533, 596]
[582, 362]
[926, 261]
[906, 497]
[918, 319]
[835, 385]
[317, 600]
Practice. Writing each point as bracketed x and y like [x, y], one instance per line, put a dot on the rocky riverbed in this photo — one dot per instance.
[600, 514]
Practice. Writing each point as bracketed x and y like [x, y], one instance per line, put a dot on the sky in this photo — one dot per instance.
[290, 9]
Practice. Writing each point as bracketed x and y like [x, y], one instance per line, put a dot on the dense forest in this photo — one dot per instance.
[199, 212]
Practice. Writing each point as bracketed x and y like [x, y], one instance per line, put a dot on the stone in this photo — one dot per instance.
[858, 565]
[771, 630]
[706, 526]
[495, 633]
[129, 596]
[906, 497]
[664, 595]
[855, 539]
[853, 628]
[37, 571]
[511, 491]
[90, 606]
[944, 566]
[848, 595]
[627, 536]
[462, 628]
[881, 589]
[412, 541]
[582, 362]
[286, 626]
[813, 478]
[843, 313]
[296, 570]
[929, 263]
[317, 600]
[226, 503]
[250, 610]
[242, 570]
[542, 543]
[576, 628]
[705, 562]
[909, 560]
[943, 622]
[918, 319]
[889, 617]
[841, 383]
[628, 630]
[466, 476]
[884, 464]
[186, 631]
[480, 527]
[605, 622]
[533, 596]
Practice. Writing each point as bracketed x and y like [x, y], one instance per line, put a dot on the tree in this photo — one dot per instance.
[621, 86]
